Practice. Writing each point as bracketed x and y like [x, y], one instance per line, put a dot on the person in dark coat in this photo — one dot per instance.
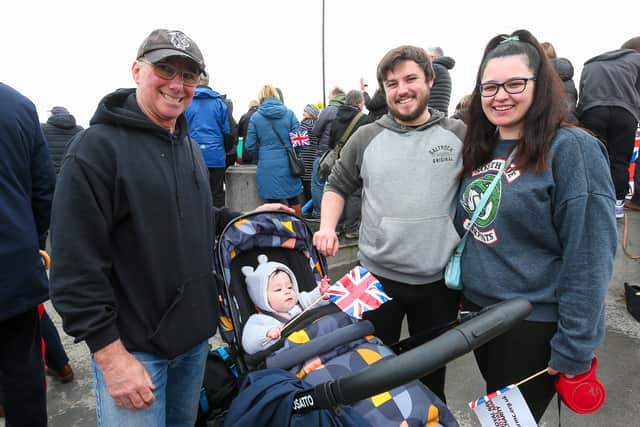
[322, 130]
[377, 105]
[243, 125]
[564, 68]
[609, 106]
[348, 112]
[27, 182]
[132, 235]
[58, 130]
[441, 89]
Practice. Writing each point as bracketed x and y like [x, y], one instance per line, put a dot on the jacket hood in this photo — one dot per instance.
[563, 67]
[120, 108]
[388, 122]
[258, 279]
[272, 108]
[207, 92]
[346, 113]
[64, 121]
[612, 55]
[338, 100]
[445, 61]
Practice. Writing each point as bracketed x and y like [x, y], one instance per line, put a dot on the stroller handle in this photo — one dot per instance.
[424, 359]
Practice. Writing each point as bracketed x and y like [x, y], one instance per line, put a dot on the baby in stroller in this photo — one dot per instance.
[273, 288]
[321, 344]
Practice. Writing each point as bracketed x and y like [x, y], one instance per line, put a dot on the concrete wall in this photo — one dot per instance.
[241, 192]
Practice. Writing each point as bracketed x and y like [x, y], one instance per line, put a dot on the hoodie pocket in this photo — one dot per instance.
[416, 246]
[191, 318]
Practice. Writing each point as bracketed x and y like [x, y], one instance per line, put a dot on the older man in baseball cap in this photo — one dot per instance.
[133, 230]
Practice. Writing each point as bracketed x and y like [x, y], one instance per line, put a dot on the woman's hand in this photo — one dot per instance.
[552, 371]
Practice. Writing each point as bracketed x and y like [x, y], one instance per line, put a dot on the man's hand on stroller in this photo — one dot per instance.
[273, 207]
[126, 378]
[326, 241]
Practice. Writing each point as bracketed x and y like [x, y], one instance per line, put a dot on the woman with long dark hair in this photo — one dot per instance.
[547, 232]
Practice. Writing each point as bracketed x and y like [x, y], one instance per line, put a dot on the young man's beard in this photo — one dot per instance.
[419, 110]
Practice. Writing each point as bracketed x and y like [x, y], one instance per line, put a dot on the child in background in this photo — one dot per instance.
[273, 288]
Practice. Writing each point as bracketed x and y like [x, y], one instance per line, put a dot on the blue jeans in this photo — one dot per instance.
[317, 188]
[177, 391]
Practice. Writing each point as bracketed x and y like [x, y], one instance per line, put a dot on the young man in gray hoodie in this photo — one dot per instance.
[407, 165]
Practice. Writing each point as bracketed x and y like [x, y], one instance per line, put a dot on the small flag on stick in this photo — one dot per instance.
[505, 407]
[299, 138]
[356, 292]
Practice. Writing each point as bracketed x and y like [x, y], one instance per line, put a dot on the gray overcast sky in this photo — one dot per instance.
[72, 53]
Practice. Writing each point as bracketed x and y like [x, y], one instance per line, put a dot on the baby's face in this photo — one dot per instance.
[280, 293]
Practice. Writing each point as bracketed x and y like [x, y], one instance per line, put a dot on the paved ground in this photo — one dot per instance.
[73, 404]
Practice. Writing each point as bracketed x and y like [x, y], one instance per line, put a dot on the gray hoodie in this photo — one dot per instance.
[409, 181]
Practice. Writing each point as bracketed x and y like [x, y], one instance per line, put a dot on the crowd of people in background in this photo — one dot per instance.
[140, 199]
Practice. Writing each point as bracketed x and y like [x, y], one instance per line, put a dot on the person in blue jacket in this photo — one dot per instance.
[209, 126]
[27, 180]
[275, 182]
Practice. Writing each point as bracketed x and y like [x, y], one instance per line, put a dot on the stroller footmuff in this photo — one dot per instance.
[340, 346]
[267, 397]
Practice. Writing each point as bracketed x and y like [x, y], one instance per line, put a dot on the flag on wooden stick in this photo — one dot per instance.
[356, 292]
[505, 407]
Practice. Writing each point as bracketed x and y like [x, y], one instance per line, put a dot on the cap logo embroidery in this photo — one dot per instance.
[179, 40]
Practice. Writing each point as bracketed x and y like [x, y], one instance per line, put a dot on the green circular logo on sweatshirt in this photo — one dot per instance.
[473, 195]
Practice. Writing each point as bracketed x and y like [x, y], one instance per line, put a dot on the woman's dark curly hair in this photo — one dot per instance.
[546, 114]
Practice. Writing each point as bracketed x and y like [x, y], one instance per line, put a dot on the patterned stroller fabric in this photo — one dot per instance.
[409, 405]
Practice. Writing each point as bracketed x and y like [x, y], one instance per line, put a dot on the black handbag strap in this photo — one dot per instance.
[278, 135]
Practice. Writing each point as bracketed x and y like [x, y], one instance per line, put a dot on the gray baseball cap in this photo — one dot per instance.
[163, 43]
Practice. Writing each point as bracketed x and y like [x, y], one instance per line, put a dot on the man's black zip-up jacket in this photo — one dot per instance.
[132, 234]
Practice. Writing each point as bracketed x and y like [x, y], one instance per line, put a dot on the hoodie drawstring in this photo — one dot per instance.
[193, 163]
[175, 177]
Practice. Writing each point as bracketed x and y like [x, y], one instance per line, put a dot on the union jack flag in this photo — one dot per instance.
[356, 292]
[299, 138]
[490, 396]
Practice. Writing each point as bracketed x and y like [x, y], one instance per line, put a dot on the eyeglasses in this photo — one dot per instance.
[512, 86]
[166, 71]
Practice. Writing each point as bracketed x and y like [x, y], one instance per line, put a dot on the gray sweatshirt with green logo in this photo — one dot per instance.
[549, 237]
[408, 178]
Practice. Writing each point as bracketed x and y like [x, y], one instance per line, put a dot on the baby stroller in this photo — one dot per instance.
[319, 368]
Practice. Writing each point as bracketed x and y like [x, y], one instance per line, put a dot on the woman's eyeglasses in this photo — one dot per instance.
[512, 86]
[166, 71]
